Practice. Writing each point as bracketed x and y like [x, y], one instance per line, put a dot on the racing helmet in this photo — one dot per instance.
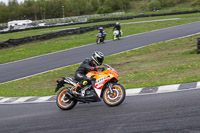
[117, 23]
[98, 57]
[101, 28]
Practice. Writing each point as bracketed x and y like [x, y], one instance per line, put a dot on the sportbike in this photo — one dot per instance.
[117, 35]
[100, 38]
[104, 85]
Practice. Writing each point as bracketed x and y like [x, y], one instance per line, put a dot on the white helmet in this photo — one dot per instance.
[98, 57]
[117, 23]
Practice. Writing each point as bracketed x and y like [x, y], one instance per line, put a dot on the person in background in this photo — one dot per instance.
[103, 34]
[117, 27]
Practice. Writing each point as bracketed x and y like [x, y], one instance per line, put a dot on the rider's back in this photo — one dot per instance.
[85, 66]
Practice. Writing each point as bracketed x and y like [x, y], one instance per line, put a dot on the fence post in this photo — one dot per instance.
[198, 45]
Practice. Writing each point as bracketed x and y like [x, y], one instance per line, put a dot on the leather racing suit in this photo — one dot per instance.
[80, 74]
[117, 27]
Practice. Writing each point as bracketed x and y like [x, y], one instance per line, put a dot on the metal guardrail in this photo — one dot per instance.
[3, 25]
[83, 18]
[76, 20]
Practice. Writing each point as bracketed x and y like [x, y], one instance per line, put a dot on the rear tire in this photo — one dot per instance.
[64, 102]
[118, 37]
[114, 99]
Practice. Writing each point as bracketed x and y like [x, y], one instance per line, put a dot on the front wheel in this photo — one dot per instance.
[63, 101]
[98, 40]
[115, 98]
[114, 37]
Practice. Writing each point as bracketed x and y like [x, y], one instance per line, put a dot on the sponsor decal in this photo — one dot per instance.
[100, 82]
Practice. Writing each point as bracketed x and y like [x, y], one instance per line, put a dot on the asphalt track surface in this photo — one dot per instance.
[177, 112]
[19, 69]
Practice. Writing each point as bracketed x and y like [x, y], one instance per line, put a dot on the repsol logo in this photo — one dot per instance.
[102, 79]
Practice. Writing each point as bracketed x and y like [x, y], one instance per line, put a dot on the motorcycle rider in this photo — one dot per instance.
[117, 27]
[89, 64]
[103, 34]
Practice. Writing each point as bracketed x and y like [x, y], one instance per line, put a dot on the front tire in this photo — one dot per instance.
[98, 40]
[64, 102]
[116, 98]
[114, 37]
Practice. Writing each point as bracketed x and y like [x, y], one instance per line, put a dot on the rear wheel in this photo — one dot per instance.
[63, 101]
[115, 98]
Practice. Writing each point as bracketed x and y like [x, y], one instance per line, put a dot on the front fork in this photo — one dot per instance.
[110, 85]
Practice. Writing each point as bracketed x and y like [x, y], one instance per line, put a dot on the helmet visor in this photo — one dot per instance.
[98, 60]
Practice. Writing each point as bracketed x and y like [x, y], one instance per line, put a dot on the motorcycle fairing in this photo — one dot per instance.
[101, 79]
[116, 32]
[70, 81]
[65, 80]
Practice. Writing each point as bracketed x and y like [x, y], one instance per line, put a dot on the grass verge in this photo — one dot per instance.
[154, 65]
[67, 42]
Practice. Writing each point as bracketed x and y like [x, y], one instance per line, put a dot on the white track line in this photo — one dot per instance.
[42, 99]
[198, 84]
[21, 99]
[4, 100]
[132, 92]
[168, 88]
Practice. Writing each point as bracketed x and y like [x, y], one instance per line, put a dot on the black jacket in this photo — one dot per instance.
[117, 27]
[86, 66]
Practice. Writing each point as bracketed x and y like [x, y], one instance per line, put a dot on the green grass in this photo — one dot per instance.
[154, 65]
[142, 6]
[15, 35]
[180, 8]
[66, 42]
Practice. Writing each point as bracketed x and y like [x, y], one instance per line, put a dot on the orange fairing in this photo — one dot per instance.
[115, 74]
[102, 77]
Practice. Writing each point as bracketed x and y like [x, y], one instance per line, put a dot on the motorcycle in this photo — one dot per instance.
[100, 39]
[103, 86]
[116, 35]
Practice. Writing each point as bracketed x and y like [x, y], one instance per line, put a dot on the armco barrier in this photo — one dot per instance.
[15, 42]
[105, 19]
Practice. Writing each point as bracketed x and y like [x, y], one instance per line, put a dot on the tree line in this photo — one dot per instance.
[46, 9]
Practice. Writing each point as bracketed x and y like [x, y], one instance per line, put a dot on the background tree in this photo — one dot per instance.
[4, 12]
[124, 4]
[154, 5]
